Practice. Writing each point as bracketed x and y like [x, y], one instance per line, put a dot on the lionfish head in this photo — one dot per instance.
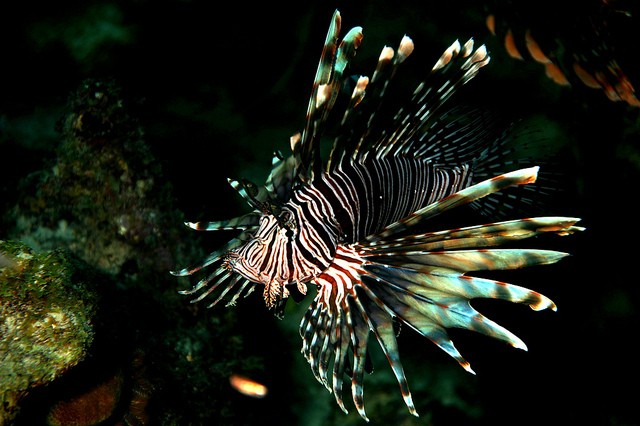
[253, 259]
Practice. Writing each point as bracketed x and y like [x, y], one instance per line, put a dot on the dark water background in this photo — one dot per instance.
[216, 90]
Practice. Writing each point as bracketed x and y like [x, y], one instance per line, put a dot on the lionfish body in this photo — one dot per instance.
[348, 225]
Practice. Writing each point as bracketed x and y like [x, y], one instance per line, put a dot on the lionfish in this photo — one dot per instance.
[350, 224]
[580, 45]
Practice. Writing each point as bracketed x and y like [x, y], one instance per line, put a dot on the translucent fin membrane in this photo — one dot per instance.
[487, 235]
[326, 87]
[421, 281]
[467, 195]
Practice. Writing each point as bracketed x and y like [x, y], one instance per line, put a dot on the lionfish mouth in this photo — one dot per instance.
[275, 288]
[358, 213]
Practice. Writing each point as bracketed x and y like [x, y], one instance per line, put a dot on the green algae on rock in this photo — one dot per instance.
[46, 313]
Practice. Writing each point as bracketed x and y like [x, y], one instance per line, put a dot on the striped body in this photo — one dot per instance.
[348, 224]
[342, 206]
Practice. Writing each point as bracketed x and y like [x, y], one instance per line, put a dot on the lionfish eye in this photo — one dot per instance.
[250, 187]
[250, 192]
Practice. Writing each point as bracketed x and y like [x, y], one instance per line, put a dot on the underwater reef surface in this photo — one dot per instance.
[120, 120]
[47, 312]
[102, 199]
[101, 196]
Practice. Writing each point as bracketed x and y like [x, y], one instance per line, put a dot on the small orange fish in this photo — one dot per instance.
[247, 386]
